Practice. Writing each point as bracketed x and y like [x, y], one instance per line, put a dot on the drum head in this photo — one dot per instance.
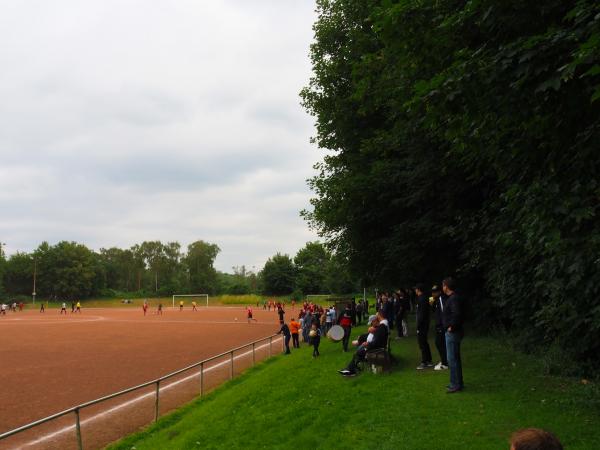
[336, 333]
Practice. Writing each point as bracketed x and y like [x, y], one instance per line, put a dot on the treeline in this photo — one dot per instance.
[70, 270]
[464, 139]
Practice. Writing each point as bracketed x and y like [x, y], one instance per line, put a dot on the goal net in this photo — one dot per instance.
[200, 299]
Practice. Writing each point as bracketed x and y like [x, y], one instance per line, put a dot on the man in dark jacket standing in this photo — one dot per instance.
[453, 323]
[439, 301]
[285, 330]
[423, 327]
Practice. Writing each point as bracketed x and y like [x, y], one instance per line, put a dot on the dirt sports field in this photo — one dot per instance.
[51, 362]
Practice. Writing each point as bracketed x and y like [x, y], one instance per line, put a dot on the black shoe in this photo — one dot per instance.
[453, 390]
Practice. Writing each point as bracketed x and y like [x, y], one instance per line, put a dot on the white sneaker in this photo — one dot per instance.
[440, 366]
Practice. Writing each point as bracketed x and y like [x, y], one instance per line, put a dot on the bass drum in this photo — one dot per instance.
[336, 333]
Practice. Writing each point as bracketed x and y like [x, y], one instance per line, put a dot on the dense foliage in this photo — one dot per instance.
[70, 270]
[314, 270]
[463, 138]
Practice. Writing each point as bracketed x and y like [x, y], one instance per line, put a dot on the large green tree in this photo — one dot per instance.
[312, 262]
[463, 138]
[18, 275]
[199, 263]
[278, 275]
[65, 270]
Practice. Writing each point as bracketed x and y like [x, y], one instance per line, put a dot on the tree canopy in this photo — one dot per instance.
[70, 270]
[462, 138]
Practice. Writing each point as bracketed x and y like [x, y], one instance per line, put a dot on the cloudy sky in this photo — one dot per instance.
[123, 121]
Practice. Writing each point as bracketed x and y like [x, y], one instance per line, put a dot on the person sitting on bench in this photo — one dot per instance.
[380, 339]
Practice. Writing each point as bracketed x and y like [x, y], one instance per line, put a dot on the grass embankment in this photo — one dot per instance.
[294, 401]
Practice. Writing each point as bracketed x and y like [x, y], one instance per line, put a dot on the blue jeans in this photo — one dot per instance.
[454, 363]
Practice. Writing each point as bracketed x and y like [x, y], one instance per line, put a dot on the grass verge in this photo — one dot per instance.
[300, 402]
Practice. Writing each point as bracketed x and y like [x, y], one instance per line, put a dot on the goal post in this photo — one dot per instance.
[191, 295]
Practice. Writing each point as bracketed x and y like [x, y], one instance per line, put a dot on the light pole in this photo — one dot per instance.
[34, 277]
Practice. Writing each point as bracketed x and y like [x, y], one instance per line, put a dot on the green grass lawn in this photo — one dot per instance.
[295, 401]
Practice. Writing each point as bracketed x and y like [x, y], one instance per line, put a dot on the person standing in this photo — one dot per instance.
[78, 307]
[359, 312]
[423, 327]
[453, 323]
[438, 302]
[180, 305]
[346, 323]
[315, 339]
[281, 313]
[145, 306]
[159, 311]
[42, 307]
[194, 306]
[286, 336]
[64, 308]
[295, 330]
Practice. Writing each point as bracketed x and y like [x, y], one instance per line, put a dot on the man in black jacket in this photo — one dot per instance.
[453, 323]
[285, 330]
[423, 327]
[380, 339]
[439, 302]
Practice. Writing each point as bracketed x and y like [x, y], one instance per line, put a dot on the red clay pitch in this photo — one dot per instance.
[49, 362]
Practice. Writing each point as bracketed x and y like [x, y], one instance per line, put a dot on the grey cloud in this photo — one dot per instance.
[125, 120]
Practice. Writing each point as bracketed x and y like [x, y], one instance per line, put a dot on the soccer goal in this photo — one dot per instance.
[189, 296]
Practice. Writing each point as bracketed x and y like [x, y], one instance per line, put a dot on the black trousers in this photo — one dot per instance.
[424, 346]
[399, 318]
[287, 344]
[295, 340]
[316, 347]
[440, 343]
[359, 355]
[346, 338]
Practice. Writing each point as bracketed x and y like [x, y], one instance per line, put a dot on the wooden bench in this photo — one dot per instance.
[380, 359]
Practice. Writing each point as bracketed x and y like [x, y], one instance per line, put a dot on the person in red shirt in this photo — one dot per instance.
[249, 313]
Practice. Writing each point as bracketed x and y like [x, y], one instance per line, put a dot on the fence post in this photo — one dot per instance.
[156, 401]
[270, 345]
[231, 367]
[201, 379]
[78, 429]
[253, 353]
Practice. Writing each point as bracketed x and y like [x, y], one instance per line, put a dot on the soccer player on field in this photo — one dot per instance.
[145, 306]
[78, 308]
[249, 312]
[181, 305]
[194, 306]
[64, 308]
[159, 309]
[42, 308]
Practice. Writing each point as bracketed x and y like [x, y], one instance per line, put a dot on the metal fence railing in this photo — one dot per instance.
[191, 381]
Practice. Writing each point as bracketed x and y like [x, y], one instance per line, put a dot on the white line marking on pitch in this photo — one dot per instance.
[66, 429]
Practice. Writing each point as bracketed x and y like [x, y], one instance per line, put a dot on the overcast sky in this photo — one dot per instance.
[124, 121]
